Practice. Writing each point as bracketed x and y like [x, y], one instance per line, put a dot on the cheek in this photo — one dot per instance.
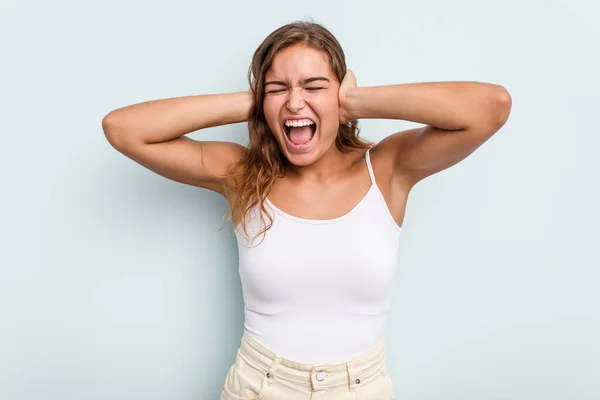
[330, 103]
[267, 109]
[330, 110]
[270, 112]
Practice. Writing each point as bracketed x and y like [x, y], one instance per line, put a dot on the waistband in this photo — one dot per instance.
[318, 376]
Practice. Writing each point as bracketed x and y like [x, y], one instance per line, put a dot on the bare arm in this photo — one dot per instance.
[459, 118]
[152, 134]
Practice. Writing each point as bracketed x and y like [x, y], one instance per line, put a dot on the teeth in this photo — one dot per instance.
[303, 122]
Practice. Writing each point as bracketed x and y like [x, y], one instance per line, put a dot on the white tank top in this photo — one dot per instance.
[319, 291]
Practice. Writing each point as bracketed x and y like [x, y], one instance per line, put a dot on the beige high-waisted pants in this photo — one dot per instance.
[258, 373]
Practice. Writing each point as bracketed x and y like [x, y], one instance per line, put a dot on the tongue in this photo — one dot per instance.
[301, 135]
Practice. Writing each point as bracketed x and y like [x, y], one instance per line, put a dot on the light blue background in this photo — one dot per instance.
[116, 284]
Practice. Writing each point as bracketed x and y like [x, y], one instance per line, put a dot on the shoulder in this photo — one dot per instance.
[386, 151]
[384, 159]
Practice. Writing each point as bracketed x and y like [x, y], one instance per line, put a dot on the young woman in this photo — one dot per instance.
[317, 210]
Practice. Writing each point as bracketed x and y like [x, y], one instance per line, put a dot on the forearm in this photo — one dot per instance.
[445, 105]
[162, 120]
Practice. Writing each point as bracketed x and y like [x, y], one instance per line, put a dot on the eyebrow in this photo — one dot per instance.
[304, 82]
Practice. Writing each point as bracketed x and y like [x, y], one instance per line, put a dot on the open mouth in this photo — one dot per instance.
[299, 137]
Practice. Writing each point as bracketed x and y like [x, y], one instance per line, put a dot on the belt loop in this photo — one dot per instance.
[271, 374]
[351, 382]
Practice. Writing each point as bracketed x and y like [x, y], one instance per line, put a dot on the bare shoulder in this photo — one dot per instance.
[394, 185]
[384, 158]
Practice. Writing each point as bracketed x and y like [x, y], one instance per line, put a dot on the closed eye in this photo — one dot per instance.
[281, 90]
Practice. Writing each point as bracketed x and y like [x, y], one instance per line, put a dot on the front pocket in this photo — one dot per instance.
[376, 387]
[244, 381]
[225, 395]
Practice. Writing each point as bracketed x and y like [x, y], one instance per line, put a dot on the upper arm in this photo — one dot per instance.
[198, 163]
[417, 153]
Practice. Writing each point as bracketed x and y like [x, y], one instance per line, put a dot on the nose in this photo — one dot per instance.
[295, 101]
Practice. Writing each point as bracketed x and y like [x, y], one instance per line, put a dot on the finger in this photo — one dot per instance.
[351, 77]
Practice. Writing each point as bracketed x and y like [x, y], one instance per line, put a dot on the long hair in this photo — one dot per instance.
[253, 177]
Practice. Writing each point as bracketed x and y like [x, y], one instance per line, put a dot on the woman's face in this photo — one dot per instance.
[301, 85]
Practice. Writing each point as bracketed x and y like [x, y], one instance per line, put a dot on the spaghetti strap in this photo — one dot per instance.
[371, 174]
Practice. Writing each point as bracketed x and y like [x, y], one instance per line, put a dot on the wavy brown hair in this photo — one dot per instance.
[253, 177]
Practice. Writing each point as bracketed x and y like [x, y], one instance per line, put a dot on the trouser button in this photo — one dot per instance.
[321, 375]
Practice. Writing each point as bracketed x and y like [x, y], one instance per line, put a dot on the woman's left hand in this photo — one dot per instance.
[348, 83]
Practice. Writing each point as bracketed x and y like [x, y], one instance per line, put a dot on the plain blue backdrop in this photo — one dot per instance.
[115, 283]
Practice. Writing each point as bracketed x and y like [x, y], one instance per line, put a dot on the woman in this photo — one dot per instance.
[318, 255]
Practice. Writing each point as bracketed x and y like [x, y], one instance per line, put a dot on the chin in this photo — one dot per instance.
[301, 160]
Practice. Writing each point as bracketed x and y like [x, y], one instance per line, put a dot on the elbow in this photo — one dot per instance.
[493, 112]
[501, 107]
[110, 127]
[504, 99]
[109, 122]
